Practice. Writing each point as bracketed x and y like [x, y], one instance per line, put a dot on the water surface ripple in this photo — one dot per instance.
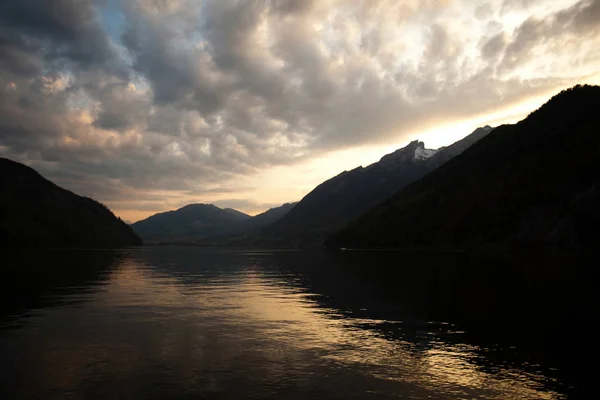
[200, 323]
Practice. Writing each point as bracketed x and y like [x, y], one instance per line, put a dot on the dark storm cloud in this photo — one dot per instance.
[55, 30]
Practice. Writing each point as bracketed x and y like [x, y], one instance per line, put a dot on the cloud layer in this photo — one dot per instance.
[144, 103]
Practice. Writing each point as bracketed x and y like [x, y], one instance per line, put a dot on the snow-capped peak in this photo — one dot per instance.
[421, 153]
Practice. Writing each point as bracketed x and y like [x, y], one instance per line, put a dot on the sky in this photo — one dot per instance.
[149, 105]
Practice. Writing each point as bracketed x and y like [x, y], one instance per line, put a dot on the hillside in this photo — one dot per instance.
[261, 220]
[36, 212]
[533, 184]
[191, 221]
[205, 224]
[338, 200]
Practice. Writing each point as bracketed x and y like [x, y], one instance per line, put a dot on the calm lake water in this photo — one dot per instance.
[216, 324]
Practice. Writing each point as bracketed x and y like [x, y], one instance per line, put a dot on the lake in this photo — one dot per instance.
[217, 324]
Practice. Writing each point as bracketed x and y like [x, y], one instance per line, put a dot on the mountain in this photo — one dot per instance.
[268, 217]
[532, 184]
[245, 233]
[205, 224]
[191, 221]
[36, 212]
[338, 200]
[238, 215]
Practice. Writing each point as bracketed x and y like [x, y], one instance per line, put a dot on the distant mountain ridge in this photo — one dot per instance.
[242, 216]
[268, 217]
[193, 220]
[35, 212]
[338, 200]
[203, 224]
[535, 183]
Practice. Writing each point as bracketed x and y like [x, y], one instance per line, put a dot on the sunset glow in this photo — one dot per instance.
[148, 105]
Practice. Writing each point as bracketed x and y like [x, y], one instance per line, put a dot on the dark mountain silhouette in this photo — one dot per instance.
[532, 184]
[247, 231]
[261, 220]
[237, 214]
[191, 221]
[338, 200]
[36, 212]
[204, 224]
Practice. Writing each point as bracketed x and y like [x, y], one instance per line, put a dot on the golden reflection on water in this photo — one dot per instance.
[283, 320]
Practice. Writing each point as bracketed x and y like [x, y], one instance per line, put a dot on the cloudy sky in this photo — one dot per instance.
[147, 105]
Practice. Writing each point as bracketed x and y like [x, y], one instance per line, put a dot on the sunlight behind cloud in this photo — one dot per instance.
[264, 100]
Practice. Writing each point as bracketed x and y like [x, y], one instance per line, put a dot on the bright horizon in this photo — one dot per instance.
[323, 168]
[148, 106]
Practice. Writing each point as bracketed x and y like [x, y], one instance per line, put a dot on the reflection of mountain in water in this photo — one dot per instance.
[163, 322]
[532, 301]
